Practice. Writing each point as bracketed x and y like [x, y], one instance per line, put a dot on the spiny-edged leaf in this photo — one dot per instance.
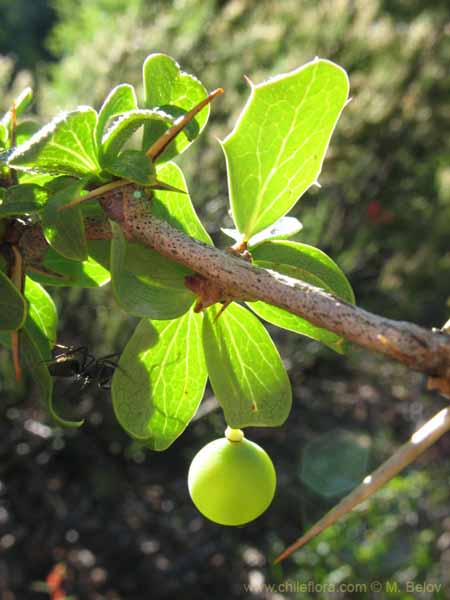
[23, 199]
[13, 307]
[177, 209]
[66, 145]
[276, 150]
[88, 273]
[36, 364]
[123, 128]
[175, 92]
[160, 380]
[308, 264]
[121, 99]
[282, 229]
[245, 369]
[42, 317]
[142, 296]
[64, 230]
[133, 165]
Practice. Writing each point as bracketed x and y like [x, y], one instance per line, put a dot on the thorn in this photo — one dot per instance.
[222, 309]
[317, 184]
[15, 347]
[170, 134]
[249, 81]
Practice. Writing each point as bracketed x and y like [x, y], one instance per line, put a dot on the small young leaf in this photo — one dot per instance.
[133, 165]
[21, 103]
[35, 363]
[121, 99]
[24, 130]
[123, 128]
[64, 230]
[307, 264]
[245, 369]
[160, 380]
[66, 145]
[177, 209]
[23, 199]
[282, 229]
[13, 307]
[168, 88]
[276, 150]
[3, 135]
[143, 296]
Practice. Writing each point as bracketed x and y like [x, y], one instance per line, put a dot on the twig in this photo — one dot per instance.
[418, 348]
[419, 442]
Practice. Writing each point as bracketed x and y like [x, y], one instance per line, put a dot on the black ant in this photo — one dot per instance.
[79, 364]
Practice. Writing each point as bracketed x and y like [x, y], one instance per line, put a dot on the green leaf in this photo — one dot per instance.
[160, 380]
[142, 294]
[88, 273]
[177, 209]
[35, 362]
[13, 308]
[168, 88]
[23, 199]
[21, 103]
[282, 229]
[123, 128]
[307, 264]
[121, 99]
[133, 165]
[64, 230]
[66, 145]
[276, 150]
[245, 369]
[3, 135]
[42, 316]
[24, 130]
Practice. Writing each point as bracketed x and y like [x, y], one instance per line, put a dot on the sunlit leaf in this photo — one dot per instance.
[245, 369]
[121, 99]
[23, 199]
[276, 150]
[66, 145]
[168, 88]
[307, 264]
[160, 380]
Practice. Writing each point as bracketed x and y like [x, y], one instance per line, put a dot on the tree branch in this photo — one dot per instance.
[418, 348]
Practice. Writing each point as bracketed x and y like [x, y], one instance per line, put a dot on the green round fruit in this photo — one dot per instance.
[232, 480]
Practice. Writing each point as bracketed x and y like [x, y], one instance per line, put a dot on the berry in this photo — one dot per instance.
[232, 480]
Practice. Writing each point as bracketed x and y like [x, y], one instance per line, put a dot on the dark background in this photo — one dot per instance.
[119, 518]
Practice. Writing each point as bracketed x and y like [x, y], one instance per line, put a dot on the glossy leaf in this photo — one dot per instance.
[121, 99]
[64, 230]
[42, 316]
[307, 264]
[126, 125]
[13, 308]
[168, 88]
[245, 369]
[23, 199]
[66, 145]
[143, 294]
[26, 129]
[276, 150]
[160, 380]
